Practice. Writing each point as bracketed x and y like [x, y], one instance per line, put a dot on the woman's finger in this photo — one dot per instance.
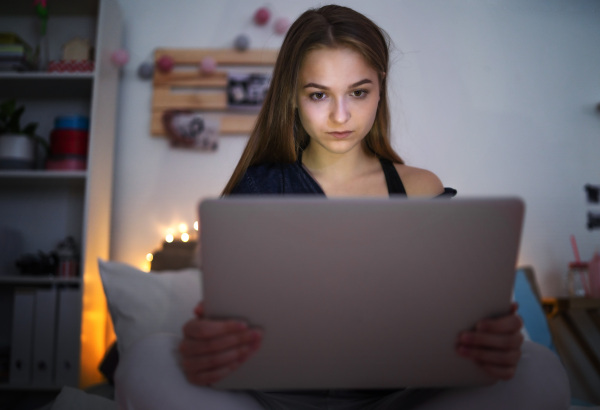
[212, 362]
[218, 344]
[205, 378]
[208, 329]
[505, 358]
[510, 323]
[508, 341]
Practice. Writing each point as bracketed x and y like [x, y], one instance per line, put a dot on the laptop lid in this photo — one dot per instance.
[358, 293]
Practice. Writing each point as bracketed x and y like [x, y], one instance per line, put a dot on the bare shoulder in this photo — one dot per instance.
[419, 182]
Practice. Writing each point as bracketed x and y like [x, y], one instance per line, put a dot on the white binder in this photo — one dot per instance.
[68, 329]
[22, 337]
[43, 346]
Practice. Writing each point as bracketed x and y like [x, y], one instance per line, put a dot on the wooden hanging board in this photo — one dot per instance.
[187, 88]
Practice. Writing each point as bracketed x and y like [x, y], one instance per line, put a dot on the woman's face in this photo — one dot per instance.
[337, 98]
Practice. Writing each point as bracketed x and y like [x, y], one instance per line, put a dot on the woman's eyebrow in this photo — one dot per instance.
[361, 82]
[323, 87]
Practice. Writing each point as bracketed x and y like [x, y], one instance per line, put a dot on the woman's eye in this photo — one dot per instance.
[317, 96]
[359, 93]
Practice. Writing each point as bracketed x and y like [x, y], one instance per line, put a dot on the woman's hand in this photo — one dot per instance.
[211, 349]
[494, 344]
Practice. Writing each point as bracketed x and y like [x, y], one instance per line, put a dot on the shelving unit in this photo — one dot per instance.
[40, 208]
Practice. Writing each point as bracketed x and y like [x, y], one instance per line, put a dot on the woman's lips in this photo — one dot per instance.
[340, 134]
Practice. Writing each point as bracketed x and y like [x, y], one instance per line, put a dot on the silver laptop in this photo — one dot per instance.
[358, 293]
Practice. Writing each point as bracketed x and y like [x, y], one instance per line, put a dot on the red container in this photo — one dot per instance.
[69, 142]
[74, 162]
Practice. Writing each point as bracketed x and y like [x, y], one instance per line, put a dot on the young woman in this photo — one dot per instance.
[324, 130]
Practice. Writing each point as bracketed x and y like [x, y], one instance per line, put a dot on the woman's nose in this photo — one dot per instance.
[340, 111]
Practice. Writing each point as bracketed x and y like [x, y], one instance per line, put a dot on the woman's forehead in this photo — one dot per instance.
[335, 65]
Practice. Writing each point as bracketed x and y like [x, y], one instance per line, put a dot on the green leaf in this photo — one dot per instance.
[30, 129]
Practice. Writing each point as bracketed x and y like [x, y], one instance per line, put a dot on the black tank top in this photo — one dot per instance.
[392, 179]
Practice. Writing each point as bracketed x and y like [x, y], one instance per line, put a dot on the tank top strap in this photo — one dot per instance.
[392, 179]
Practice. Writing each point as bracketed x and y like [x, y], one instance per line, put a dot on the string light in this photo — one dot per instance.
[172, 235]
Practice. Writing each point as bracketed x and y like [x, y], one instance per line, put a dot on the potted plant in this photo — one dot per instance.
[18, 145]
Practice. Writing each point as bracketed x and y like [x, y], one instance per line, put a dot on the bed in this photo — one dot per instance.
[162, 301]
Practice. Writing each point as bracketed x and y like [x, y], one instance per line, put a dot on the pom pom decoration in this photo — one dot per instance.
[281, 25]
[208, 65]
[242, 42]
[119, 57]
[262, 16]
[165, 64]
[146, 70]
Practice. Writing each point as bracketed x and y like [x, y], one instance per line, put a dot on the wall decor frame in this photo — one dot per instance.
[186, 87]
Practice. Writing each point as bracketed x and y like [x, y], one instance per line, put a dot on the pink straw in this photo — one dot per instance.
[575, 250]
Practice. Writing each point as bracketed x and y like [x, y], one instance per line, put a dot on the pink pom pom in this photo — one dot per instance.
[119, 57]
[262, 16]
[165, 64]
[281, 25]
[208, 65]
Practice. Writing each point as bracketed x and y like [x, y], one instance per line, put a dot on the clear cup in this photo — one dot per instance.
[578, 279]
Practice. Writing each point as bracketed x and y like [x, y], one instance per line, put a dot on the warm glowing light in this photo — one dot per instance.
[169, 238]
[185, 237]
[196, 225]
[149, 257]
[183, 227]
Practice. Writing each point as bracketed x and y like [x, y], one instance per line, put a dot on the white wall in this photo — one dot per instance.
[496, 97]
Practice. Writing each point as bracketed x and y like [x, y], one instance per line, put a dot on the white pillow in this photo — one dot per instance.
[142, 303]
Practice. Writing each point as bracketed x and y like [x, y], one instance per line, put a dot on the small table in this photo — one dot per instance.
[575, 326]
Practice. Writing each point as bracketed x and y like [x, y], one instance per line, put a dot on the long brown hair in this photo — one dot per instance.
[278, 135]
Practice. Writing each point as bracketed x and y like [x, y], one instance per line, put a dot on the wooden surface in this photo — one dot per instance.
[575, 327]
[187, 88]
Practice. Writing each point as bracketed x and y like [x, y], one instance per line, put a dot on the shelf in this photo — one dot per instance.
[41, 178]
[40, 208]
[35, 84]
[58, 7]
[12, 388]
[40, 75]
[41, 174]
[37, 280]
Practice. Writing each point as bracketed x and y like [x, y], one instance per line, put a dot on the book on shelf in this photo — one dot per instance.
[16, 55]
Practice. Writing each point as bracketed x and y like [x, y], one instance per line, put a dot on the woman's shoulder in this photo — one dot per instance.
[419, 182]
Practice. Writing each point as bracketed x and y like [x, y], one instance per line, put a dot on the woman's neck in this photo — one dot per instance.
[350, 173]
[322, 162]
